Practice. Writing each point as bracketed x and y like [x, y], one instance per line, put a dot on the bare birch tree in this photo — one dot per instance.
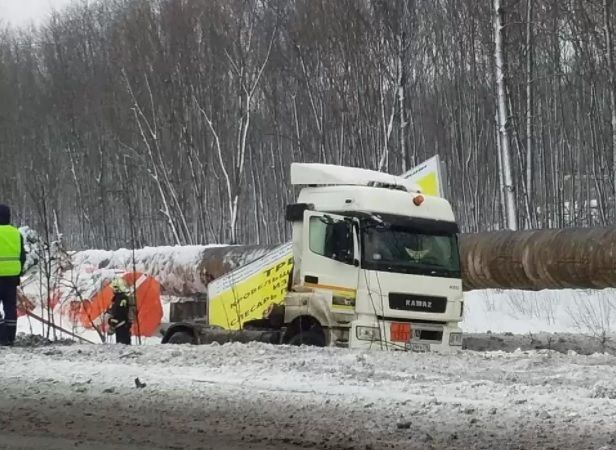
[503, 117]
[529, 110]
[609, 53]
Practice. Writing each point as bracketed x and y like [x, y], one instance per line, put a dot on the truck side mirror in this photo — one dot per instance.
[295, 211]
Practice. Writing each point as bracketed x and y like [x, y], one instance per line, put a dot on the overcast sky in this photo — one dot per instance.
[23, 12]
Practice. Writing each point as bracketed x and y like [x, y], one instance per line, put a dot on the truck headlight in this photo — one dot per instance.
[455, 339]
[368, 333]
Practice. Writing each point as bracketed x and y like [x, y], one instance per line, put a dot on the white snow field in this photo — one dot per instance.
[260, 396]
[590, 312]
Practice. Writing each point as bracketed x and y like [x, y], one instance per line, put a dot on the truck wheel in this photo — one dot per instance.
[181, 337]
[313, 338]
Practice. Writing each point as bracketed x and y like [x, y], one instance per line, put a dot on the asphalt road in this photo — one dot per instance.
[53, 422]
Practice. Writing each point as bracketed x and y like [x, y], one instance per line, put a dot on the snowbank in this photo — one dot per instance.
[591, 312]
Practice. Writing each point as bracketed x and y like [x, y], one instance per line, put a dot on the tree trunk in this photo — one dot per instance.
[607, 24]
[501, 178]
[529, 110]
[401, 89]
[503, 125]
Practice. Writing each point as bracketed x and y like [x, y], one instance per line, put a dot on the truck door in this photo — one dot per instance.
[330, 256]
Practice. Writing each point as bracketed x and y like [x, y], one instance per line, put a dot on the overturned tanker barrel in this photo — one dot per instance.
[583, 258]
[182, 271]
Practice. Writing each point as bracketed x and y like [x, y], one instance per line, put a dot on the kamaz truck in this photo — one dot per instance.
[373, 263]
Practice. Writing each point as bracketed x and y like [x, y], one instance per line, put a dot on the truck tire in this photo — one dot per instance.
[181, 337]
[311, 337]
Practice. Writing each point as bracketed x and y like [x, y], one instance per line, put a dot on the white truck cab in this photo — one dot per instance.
[383, 252]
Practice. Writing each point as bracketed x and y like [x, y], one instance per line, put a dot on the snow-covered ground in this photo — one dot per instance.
[260, 396]
[557, 391]
[589, 312]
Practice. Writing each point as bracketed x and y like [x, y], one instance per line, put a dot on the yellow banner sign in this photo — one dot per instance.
[247, 292]
[428, 176]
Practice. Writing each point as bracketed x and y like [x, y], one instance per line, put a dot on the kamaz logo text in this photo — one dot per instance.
[419, 304]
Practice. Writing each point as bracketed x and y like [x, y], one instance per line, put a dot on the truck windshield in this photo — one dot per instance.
[394, 248]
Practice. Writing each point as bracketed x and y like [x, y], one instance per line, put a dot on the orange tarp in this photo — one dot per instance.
[149, 308]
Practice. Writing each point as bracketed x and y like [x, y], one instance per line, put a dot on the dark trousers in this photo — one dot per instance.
[123, 334]
[8, 325]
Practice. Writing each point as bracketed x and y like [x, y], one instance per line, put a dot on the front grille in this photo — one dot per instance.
[420, 303]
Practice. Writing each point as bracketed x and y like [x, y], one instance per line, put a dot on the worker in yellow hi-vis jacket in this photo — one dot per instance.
[119, 320]
[12, 258]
